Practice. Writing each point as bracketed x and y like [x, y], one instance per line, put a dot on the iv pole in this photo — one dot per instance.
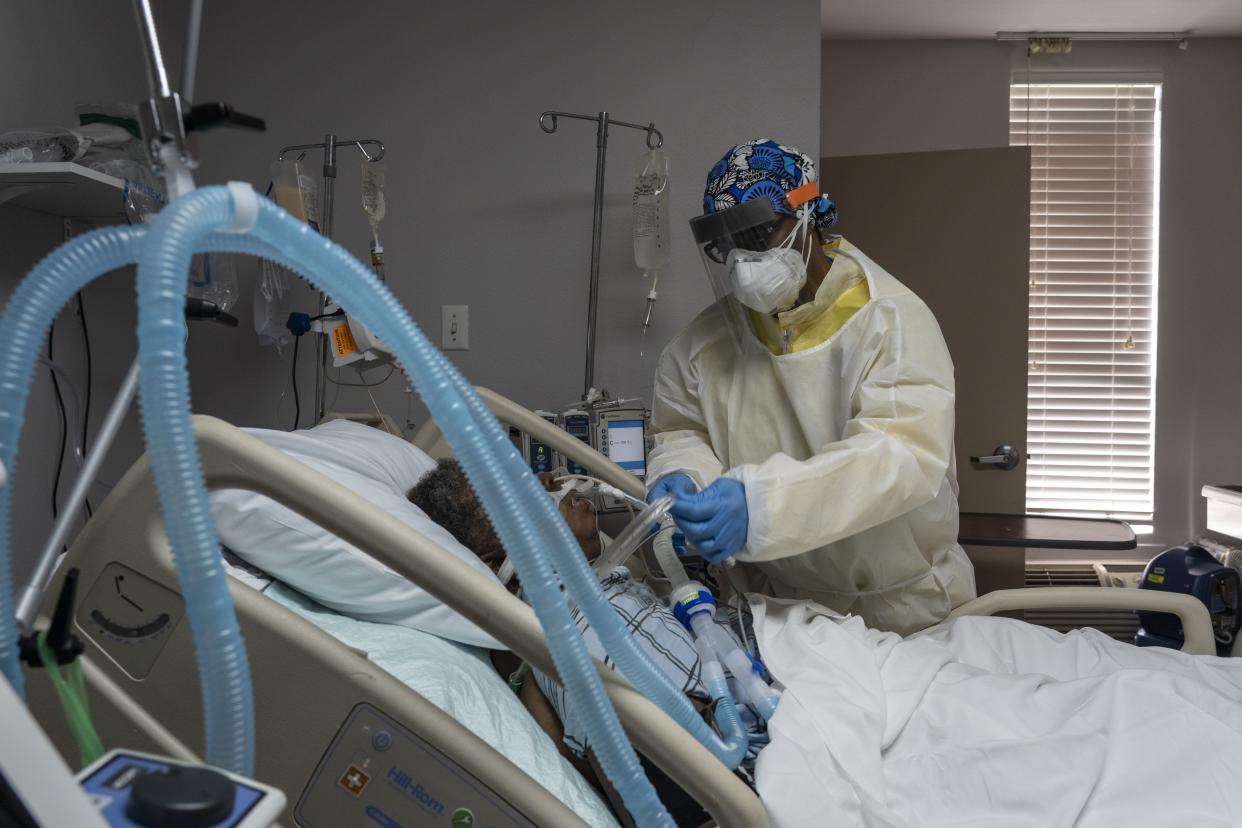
[548, 123]
[329, 146]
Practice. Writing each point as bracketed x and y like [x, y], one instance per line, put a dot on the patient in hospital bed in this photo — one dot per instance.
[983, 721]
[986, 721]
[444, 494]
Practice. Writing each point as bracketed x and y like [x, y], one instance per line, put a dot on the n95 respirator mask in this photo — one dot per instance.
[769, 280]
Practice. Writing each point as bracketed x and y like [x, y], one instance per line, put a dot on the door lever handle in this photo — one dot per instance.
[1003, 457]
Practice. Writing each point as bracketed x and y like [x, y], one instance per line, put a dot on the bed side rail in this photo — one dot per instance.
[233, 459]
[430, 440]
[1196, 622]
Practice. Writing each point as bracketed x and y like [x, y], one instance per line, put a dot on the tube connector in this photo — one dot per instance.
[690, 599]
[245, 208]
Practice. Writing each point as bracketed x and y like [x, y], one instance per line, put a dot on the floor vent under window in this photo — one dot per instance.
[1118, 624]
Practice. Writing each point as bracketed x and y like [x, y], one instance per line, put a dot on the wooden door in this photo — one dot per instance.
[954, 226]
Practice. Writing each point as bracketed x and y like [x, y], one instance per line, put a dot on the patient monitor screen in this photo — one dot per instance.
[626, 445]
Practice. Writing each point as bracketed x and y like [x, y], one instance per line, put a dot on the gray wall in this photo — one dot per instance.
[484, 209]
[57, 54]
[910, 96]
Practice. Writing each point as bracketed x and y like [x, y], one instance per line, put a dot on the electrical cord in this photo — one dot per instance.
[64, 424]
[297, 403]
[86, 404]
[392, 370]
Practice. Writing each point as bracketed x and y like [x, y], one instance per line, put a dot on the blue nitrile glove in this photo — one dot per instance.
[714, 520]
[671, 484]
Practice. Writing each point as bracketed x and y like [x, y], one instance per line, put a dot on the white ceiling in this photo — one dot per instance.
[902, 19]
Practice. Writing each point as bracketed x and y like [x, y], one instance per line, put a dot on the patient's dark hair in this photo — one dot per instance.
[444, 494]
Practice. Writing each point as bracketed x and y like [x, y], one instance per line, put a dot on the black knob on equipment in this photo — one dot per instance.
[181, 798]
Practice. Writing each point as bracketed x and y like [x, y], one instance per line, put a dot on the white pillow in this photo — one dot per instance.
[378, 467]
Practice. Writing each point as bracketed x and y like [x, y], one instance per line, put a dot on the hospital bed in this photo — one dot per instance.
[319, 704]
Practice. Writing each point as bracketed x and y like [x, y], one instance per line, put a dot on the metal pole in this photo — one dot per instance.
[329, 182]
[157, 77]
[28, 606]
[189, 64]
[597, 230]
[325, 227]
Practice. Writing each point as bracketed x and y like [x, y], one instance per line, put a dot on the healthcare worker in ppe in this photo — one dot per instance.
[804, 421]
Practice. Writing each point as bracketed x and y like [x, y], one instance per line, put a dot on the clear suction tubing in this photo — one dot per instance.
[525, 519]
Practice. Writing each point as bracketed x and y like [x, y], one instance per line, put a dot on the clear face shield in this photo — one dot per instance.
[749, 268]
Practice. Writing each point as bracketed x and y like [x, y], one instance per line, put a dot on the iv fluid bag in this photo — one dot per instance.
[213, 276]
[651, 239]
[296, 191]
[373, 193]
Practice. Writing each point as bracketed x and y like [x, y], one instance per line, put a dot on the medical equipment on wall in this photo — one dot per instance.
[548, 122]
[323, 208]
[650, 223]
[1191, 570]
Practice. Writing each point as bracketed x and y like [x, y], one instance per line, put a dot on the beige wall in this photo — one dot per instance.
[927, 95]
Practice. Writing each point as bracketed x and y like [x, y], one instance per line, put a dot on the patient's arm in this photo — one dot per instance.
[541, 711]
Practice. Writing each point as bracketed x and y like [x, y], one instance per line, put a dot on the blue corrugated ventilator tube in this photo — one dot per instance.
[523, 516]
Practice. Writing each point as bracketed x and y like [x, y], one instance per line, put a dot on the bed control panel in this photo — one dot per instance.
[130, 617]
[378, 773]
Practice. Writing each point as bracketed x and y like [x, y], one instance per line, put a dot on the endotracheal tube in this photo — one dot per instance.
[694, 606]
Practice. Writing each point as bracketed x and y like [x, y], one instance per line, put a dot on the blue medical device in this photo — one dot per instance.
[1191, 570]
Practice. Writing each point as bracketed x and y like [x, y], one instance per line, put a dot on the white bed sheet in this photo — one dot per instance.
[990, 721]
[460, 680]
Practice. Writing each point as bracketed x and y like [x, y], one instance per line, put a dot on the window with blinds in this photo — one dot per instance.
[1095, 170]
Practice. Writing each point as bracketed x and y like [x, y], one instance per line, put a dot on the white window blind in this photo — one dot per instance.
[1095, 168]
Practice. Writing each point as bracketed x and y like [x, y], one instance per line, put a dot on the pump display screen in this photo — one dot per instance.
[626, 446]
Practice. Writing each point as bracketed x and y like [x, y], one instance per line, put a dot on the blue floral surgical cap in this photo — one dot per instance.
[764, 168]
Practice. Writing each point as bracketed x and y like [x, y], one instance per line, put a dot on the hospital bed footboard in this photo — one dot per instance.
[307, 684]
[1196, 622]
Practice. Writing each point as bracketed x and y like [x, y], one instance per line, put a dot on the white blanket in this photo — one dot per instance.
[990, 721]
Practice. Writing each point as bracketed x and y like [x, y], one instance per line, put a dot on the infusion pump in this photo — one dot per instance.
[621, 434]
